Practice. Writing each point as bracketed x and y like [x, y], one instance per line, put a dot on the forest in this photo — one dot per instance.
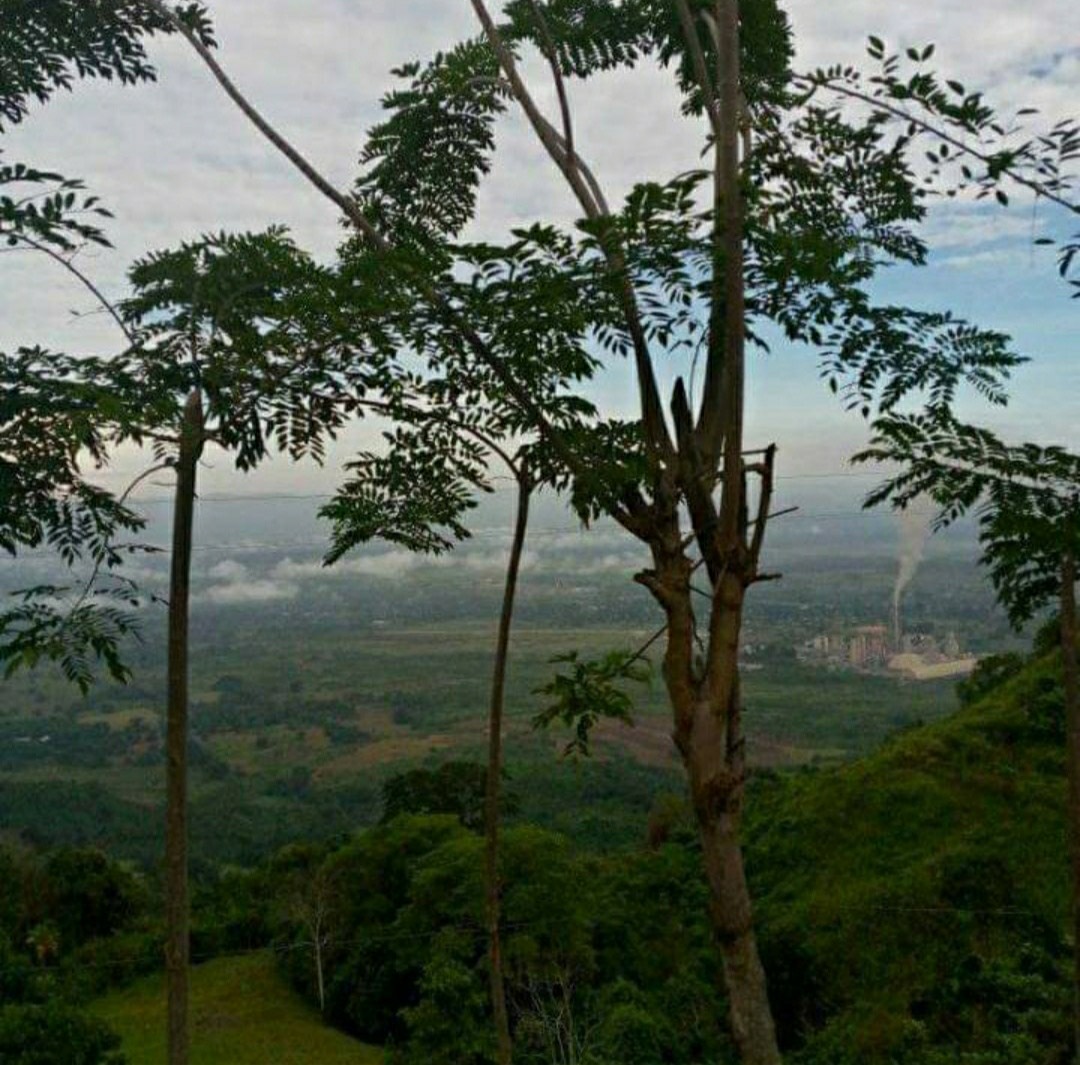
[497, 742]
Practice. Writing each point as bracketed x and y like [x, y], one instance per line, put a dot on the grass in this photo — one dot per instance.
[242, 1012]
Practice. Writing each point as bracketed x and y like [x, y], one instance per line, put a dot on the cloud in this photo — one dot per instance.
[239, 587]
[388, 564]
[229, 570]
[241, 593]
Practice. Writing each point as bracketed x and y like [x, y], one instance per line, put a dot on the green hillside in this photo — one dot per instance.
[243, 1014]
[914, 903]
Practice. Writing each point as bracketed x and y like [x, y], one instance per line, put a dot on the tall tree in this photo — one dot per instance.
[436, 449]
[177, 902]
[800, 208]
[232, 350]
[493, 798]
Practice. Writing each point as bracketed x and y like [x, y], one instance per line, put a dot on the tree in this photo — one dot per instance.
[456, 788]
[310, 892]
[233, 341]
[1027, 499]
[492, 799]
[230, 349]
[800, 207]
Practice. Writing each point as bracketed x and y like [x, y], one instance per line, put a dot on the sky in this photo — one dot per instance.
[176, 159]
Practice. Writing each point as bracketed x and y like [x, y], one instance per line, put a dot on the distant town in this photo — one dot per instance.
[881, 648]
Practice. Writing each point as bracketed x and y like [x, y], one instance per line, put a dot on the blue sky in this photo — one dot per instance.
[175, 160]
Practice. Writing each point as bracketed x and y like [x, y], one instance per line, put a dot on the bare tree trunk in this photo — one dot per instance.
[713, 742]
[505, 1048]
[177, 917]
[718, 801]
[709, 735]
[319, 968]
[1071, 675]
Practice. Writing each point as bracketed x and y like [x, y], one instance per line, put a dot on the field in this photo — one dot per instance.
[303, 704]
[243, 1013]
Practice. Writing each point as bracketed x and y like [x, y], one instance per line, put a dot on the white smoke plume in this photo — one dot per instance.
[914, 524]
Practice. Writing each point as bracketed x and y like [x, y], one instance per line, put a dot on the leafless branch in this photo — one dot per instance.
[85, 281]
[552, 56]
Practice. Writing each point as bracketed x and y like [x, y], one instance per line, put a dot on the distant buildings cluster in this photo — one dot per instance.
[874, 648]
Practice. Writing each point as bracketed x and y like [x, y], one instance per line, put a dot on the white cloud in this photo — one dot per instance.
[229, 570]
[241, 593]
[388, 564]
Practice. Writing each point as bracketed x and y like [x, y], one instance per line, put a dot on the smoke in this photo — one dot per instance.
[914, 532]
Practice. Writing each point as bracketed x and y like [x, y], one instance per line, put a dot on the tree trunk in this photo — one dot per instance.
[1071, 675]
[707, 710]
[319, 969]
[718, 794]
[494, 776]
[177, 948]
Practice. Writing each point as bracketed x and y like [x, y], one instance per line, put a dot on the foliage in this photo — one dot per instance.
[971, 147]
[55, 1034]
[926, 932]
[61, 40]
[405, 956]
[60, 216]
[87, 896]
[53, 407]
[990, 673]
[51, 415]
[456, 788]
[592, 691]
[1025, 496]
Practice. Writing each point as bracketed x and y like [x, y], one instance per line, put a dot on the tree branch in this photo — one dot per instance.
[701, 70]
[85, 281]
[928, 127]
[595, 208]
[351, 209]
[720, 423]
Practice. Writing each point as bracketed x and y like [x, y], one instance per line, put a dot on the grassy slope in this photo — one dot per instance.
[243, 1014]
[951, 838]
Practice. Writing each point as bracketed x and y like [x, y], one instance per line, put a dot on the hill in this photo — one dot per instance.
[914, 903]
[243, 1014]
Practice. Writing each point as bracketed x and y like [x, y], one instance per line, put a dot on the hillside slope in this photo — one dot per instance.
[913, 904]
[243, 1013]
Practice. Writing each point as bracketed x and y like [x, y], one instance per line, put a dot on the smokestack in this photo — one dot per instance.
[914, 530]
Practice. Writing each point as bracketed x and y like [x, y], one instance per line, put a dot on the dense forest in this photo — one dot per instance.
[913, 907]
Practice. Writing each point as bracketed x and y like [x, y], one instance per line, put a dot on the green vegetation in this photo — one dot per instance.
[295, 745]
[921, 894]
[242, 1013]
[912, 906]
[909, 907]
[913, 909]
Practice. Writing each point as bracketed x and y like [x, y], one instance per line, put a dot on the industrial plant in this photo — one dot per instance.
[879, 648]
[887, 648]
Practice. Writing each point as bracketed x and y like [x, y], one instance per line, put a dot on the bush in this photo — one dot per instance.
[1044, 708]
[56, 1034]
[989, 674]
